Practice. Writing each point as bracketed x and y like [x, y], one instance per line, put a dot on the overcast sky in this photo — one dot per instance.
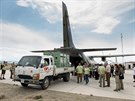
[27, 25]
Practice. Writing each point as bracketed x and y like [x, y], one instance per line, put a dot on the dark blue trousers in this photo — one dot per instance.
[86, 76]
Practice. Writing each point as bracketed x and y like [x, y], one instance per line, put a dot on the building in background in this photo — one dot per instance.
[129, 65]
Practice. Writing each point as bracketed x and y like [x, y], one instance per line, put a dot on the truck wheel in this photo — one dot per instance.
[66, 77]
[46, 83]
[24, 84]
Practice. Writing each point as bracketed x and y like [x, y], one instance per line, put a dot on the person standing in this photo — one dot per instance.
[96, 72]
[121, 77]
[91, 71]
[134, 72]
[12, 69]
[79, 71]
[3, 69]
[117, 81]
[86, 73]
[101, 71]
[1, 66]
[112, 70]
[108, 69]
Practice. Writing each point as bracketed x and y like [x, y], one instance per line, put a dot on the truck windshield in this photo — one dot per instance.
[33, 61]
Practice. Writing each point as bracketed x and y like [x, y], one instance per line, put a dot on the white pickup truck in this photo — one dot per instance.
[41, 70]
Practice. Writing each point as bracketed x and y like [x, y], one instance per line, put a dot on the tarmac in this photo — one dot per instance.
[92, 88]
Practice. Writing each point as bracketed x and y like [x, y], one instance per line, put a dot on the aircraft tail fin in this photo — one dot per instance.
[67, 37]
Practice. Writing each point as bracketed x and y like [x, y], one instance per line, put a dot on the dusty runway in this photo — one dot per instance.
[17, 93]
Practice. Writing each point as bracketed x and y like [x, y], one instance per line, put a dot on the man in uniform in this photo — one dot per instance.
[102, 72]
[79, 71]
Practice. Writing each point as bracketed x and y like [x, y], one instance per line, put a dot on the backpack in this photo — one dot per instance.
[121, 76]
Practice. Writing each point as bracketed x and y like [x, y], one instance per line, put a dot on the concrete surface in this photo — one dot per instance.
[90, 89]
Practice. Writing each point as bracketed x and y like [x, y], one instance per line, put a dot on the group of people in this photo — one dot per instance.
[4, 66]
[102, 73]
[105, 74]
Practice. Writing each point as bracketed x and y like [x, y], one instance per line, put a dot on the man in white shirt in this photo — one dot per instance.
[108, 70]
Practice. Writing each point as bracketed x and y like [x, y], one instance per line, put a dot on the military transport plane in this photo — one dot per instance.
[76, 55]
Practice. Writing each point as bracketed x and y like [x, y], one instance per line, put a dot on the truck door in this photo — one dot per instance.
[48, 65]
[52, 66]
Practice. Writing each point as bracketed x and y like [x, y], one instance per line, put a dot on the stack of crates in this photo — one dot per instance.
[60, 59]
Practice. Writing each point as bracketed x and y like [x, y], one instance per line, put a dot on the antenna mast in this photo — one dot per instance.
[122, 48]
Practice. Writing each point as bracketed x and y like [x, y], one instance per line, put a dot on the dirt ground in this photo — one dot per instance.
[10, 92]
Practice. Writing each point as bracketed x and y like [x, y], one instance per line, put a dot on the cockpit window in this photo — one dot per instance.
[33, 61]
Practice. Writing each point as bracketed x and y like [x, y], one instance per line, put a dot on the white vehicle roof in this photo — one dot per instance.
[43, 56]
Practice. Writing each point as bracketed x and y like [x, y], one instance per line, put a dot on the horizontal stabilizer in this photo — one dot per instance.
[116, 55]
[96, 49]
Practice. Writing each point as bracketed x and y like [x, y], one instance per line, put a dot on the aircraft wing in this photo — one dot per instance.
[42, 51]
[55, 49]
[71, 50]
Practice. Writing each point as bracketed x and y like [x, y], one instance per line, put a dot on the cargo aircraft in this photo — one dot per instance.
[76, 55]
